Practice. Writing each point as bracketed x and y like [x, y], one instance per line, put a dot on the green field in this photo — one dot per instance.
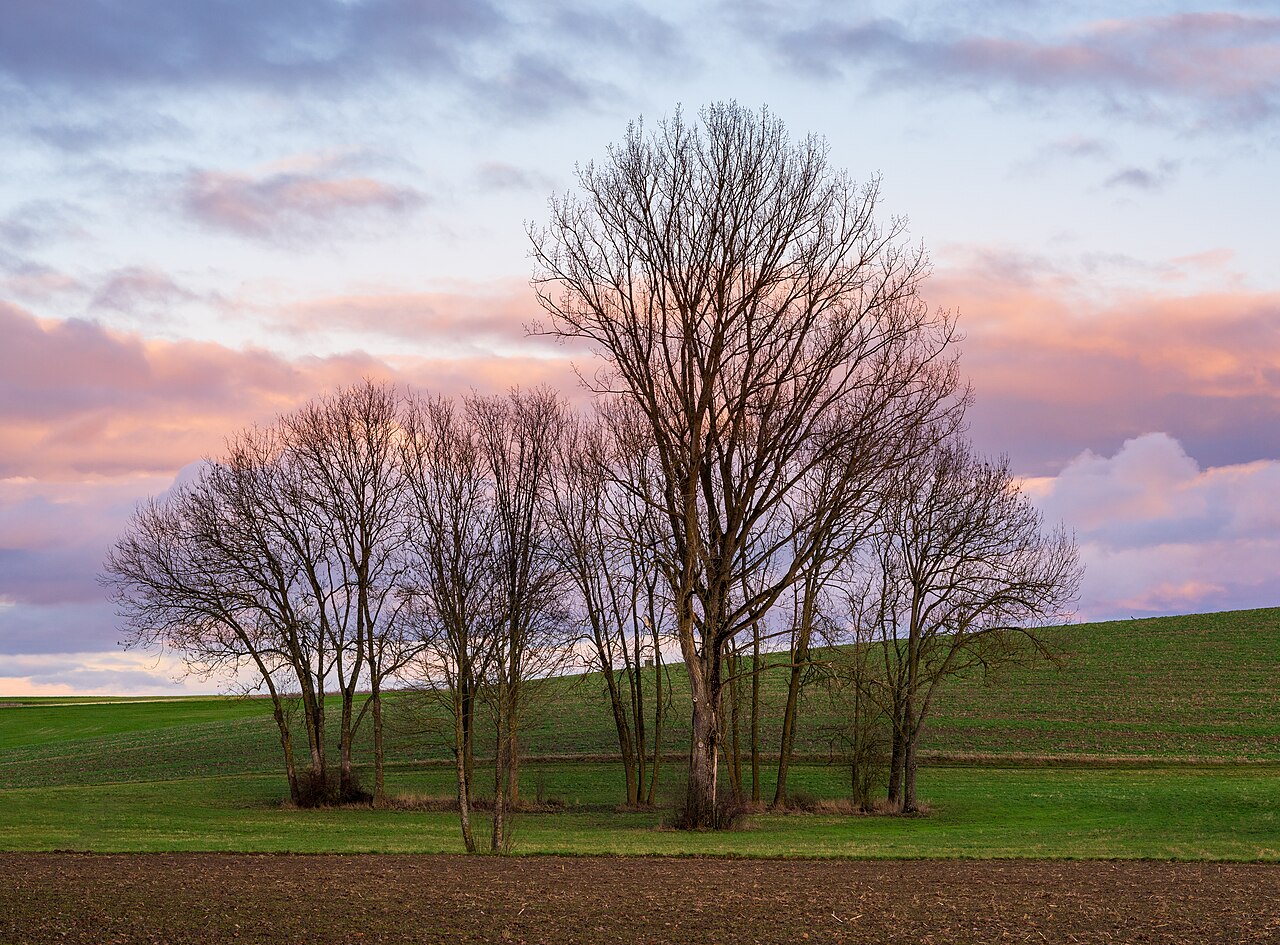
[1153, 738]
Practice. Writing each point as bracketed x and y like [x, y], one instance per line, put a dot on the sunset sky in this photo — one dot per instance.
[211, 210]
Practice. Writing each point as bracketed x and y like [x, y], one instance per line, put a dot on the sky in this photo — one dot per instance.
[212, 210]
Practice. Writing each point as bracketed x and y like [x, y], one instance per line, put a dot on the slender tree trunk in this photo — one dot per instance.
[635, 676]
[755, 714]
[379, 777]
[735, 730]
[497, 842]
[799, 660]
[512, 754]
[286, 743]
[468, 736]
[626, 745]
[659, 713]
[346, 742]
[464, 785]
[789, 716]
[897, 752]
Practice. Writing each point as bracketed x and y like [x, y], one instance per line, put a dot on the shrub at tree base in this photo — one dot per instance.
[328, 791]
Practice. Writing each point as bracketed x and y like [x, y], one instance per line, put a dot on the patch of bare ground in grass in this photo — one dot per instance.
[188, 898]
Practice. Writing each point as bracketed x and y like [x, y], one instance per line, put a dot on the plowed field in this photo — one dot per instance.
[181, 898]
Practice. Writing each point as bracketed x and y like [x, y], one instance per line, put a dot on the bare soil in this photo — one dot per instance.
[180, 898]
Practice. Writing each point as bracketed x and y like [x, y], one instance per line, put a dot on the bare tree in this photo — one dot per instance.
[856, 723]
[604, 545]
[963, 577]
[347, 476]
[452, 583]
[748, 304]
[212, 572]
[517, 436]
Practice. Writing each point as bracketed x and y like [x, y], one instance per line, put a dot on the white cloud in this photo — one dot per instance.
[1161, 535]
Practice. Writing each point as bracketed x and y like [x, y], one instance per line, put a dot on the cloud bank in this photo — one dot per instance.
[1159, 534]
[1219, 69]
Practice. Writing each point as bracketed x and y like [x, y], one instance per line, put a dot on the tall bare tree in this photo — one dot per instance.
[517, 434]
[749, 305]
[963, 577]
[604, 545]
[347, 476]
[452, 582]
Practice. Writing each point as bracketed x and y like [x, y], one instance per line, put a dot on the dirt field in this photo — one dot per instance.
[345, 899]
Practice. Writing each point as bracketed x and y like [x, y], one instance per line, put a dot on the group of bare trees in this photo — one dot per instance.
[283, 556]
[365, 537]
[774, 462]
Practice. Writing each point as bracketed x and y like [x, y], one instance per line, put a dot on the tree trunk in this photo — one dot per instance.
[464, 785]
[755, 714]
[658, 715]
[700, 805]
[626, 745]
[498, 839]
[704, 749]
[735, 731]
[313, 713]
[286, 743]
[909, 805]
[468, 701]
[512, 755]
[346, 741]
[635, 676]
[799, 656]
[896, 754]
[379, 779]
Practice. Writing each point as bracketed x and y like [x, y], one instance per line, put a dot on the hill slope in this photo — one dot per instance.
[1195, 688]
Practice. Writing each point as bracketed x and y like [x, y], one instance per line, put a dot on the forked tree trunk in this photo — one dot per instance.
[313, 713]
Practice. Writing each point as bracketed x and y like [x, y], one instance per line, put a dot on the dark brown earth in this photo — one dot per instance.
[176, 898]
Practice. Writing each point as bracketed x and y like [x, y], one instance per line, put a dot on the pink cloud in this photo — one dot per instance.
[79, 400]
[126, 290]
[1058, 370]
[470, 321]
[276, 204]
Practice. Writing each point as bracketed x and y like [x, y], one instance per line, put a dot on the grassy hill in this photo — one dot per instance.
[1195, 688]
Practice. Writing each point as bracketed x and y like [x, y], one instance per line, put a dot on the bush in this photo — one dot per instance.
[802, 801]
[327, 791]
[730, 814]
